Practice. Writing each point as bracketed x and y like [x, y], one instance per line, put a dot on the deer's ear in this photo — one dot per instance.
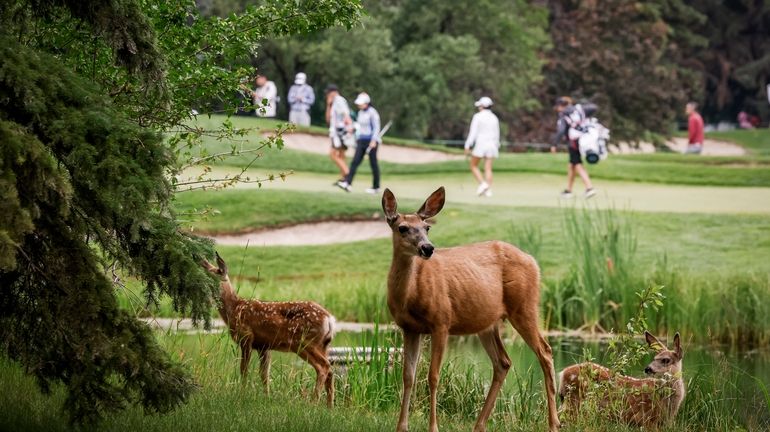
[389, 206]
[433, 204]
[221, 264]
[653, 342]
[678, 346]
[208, 266]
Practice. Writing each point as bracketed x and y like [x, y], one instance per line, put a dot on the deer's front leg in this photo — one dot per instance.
[411, 358]
[438, 341]
[245, 357]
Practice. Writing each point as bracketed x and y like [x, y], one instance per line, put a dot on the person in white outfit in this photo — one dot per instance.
[484, 138]
[266, 91]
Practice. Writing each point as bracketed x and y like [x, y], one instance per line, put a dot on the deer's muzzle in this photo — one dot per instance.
[426, 250]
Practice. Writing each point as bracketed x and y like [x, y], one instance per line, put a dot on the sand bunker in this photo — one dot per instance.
[388, 153]
[316, 233]
[710, 147]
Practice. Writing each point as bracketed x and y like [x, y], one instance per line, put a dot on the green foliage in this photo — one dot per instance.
[424, 63]
[736, 32]
[622, 56]
[82, 179]
[85, 184]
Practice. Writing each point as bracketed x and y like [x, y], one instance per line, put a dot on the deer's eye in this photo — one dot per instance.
[403, 229]
[665, 361]
[427, 228]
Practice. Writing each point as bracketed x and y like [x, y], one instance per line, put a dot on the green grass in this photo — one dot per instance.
[720, 394]
[757, 141]
[715, 283]
[231, 211]
[657, 168]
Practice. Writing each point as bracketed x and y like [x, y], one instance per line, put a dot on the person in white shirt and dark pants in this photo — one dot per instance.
[484, 138]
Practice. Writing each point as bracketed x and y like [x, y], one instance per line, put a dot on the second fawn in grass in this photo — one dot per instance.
[638, 401]
[304, 328]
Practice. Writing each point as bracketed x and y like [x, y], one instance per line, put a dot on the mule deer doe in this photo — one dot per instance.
[457, 291]
[641, 402]
[304, 328]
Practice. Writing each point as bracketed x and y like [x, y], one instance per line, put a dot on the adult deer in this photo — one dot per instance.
[641, 402]
[304, 328]
[457, 291]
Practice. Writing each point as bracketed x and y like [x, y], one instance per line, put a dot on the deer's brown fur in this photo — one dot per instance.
[645, 402]
[461, 290]
[304, 328]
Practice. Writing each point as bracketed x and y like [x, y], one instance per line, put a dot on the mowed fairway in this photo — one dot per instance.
[539, 190]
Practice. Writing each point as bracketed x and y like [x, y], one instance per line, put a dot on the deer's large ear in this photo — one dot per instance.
[221, 264]
[653, 342]
[433, 204]
[389, 206]
[208, 266]
[678, 346]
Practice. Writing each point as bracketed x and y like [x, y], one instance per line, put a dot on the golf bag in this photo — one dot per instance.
[593, 142]
[591, 136]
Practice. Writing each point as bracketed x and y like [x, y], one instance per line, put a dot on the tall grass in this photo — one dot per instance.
[598, 292]
[368, 393]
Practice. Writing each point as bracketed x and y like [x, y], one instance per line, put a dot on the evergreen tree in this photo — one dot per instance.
[86, 187]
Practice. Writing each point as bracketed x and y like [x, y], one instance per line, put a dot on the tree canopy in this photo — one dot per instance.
[86, 181]
[424, 62]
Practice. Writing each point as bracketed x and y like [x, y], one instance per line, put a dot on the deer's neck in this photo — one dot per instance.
[229, 300]
[674, 387]
[401, 275]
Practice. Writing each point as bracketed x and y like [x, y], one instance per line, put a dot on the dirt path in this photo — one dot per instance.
[317, 233]
[185, 325]
[388, 153]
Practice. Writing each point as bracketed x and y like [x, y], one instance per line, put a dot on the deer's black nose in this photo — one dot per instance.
[426, 250]
[648, 370]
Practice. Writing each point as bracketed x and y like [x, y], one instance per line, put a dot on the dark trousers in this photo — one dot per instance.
[361, 146]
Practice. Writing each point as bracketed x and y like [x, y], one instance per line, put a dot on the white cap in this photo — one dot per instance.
[362, 99]
[300, 78]
[483, 102]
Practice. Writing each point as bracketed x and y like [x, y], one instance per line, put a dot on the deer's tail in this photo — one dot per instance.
[329, 328]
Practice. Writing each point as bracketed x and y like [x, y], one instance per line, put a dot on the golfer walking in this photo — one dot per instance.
[484, 138]
[368, 142]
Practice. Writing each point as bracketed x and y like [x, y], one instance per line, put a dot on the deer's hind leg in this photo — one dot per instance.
[501, 363]
[317, 358]
[525, 321]
[264, 369]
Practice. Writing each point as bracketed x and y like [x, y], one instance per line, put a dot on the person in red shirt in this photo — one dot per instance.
[694, 129]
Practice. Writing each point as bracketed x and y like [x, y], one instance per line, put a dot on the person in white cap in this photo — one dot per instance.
[484, 138]
[301, 98]
[369, 139]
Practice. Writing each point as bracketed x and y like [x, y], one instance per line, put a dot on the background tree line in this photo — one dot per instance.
[424, 62]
